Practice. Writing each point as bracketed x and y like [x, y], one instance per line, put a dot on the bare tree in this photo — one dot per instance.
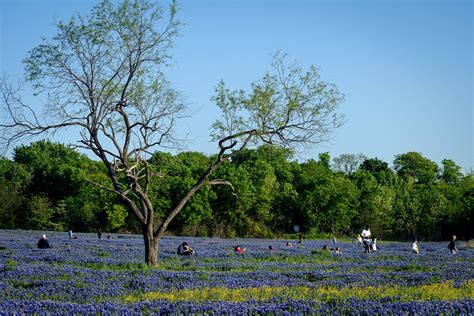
[348, 163]
[102, 75]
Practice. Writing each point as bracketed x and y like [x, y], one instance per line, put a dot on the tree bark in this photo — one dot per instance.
[151, 245]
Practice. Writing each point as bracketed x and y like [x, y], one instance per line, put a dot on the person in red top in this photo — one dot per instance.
[238, 249]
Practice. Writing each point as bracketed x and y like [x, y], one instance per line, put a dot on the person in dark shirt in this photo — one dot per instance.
[185, 250]
[300, 238]
[43, 243]
[452, 245]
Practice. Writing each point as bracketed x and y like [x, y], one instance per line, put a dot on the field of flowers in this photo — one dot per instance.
[103, 277]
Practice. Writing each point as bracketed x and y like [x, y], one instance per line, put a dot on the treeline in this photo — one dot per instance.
[50, 186]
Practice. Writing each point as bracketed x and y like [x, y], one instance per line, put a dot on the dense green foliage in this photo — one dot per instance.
[48, 186]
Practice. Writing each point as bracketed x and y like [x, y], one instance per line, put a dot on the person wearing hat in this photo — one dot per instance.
[43, 242]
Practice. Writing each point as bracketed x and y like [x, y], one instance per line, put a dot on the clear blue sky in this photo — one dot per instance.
[405, 66]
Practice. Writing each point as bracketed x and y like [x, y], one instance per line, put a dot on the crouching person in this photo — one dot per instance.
[185, 250]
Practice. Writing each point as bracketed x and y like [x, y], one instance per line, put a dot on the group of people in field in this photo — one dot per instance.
[370, 242]
[43, 242]
[451, 246]
[365, 238]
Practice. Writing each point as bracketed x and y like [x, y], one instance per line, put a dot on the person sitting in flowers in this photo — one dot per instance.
[414, 247]
[43, 243]
[185, 250]
[239, 250]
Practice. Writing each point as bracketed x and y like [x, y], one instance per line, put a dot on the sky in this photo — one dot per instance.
[405, 66]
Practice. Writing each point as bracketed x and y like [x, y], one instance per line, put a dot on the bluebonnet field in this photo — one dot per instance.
[91, 276]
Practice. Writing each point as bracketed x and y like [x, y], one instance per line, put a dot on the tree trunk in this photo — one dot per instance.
[151, 245]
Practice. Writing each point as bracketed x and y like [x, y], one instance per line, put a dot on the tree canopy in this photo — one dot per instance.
[270, 194]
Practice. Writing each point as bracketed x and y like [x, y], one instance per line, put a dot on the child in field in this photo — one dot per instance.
[239, 250]
[373, 244]
[452, 245]
[338, 250]
[270, 248]
[414, 247]
[300, 238]
[71, 235]
[289, 244]
[185, 250]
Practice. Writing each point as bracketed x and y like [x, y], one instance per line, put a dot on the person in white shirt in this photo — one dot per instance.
[373, 244]
[365, 234]
[414, 247]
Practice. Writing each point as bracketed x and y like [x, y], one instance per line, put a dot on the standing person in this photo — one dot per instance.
[373, 244]
[185, 250]
[452, 245]
[99, 233]
[414, 247]
[43, 242]
[300, 238]
[334, 240]
[70, 234]
[366, 238]
[359, 240]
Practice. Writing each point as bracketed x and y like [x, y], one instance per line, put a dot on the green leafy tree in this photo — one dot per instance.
[14, 182]
[414, 165]
[328, 200]
[432, 207]
[311, 178]
[374, 165]
[55, 169]
[284, 195]
[40, 213]
[102, 76]
[230, 206]
[464, 219]
[450, 172]
[116, 216]
[380, 170]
